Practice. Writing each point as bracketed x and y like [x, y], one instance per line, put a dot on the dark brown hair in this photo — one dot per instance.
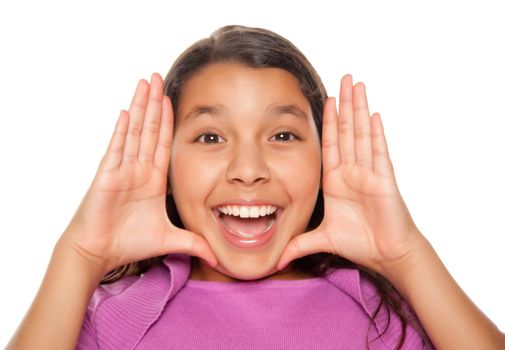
[261, 48]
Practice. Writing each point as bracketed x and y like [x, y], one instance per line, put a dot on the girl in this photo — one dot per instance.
[278, 223]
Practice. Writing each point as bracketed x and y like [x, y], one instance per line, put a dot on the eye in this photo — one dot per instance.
[286, 136]
[208, 138]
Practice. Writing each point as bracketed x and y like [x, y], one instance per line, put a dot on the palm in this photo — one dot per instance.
[129, 207]
[360, 206]
[123, 216]
[365, 218]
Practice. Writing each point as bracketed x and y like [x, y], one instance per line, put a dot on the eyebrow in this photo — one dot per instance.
[289, 109]
[215, 111]
[199, 110]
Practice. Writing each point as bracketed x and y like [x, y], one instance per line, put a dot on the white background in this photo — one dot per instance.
[434, 72]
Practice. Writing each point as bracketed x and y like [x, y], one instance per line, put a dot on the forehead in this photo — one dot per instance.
[236, 87]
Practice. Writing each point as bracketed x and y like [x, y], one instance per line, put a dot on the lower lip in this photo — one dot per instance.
[255, 242]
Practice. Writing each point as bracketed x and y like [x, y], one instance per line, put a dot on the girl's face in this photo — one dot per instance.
[239, 147]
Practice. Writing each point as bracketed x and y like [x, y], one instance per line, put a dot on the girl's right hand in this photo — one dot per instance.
[123, 217]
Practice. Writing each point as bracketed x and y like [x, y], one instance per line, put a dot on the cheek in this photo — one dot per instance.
[301, 171]
[192, 179]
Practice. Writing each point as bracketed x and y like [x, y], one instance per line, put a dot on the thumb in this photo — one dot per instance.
[312, 242]
[184, 241]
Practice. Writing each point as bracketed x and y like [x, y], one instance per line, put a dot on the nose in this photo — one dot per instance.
[248, 165]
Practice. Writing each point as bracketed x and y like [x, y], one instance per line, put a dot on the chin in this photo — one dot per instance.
[247, 266]
[247, 273]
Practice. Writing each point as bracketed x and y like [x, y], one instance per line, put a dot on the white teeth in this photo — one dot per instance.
[254, 212]
[247, 211]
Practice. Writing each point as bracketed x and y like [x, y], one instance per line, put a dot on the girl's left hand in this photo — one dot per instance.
[365, 218]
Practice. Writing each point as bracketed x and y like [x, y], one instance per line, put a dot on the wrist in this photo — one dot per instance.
[67, 249]
[420, 253]
[411, 253]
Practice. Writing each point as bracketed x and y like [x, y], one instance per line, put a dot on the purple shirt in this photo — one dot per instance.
[163, 309]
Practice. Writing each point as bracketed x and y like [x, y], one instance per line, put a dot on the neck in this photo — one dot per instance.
[203, 272]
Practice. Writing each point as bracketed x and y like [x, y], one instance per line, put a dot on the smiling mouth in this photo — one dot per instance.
[247, 227]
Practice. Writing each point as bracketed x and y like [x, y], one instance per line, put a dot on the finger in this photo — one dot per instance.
[362, 127]
[305, 244]
[152, 119]
[114, 153]
[137, 110]
[345, 121]
[183, 241]
[382, 164]
[201, 248]
[331, 158]
[162, 154]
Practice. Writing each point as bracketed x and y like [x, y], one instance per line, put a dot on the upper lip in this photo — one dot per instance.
[247, 202]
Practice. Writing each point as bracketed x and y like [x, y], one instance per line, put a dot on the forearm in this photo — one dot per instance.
[449, 317]
[55, 317]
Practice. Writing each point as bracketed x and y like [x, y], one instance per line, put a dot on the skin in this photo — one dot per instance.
[244, 152]
[122, 218]
[367, 222]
